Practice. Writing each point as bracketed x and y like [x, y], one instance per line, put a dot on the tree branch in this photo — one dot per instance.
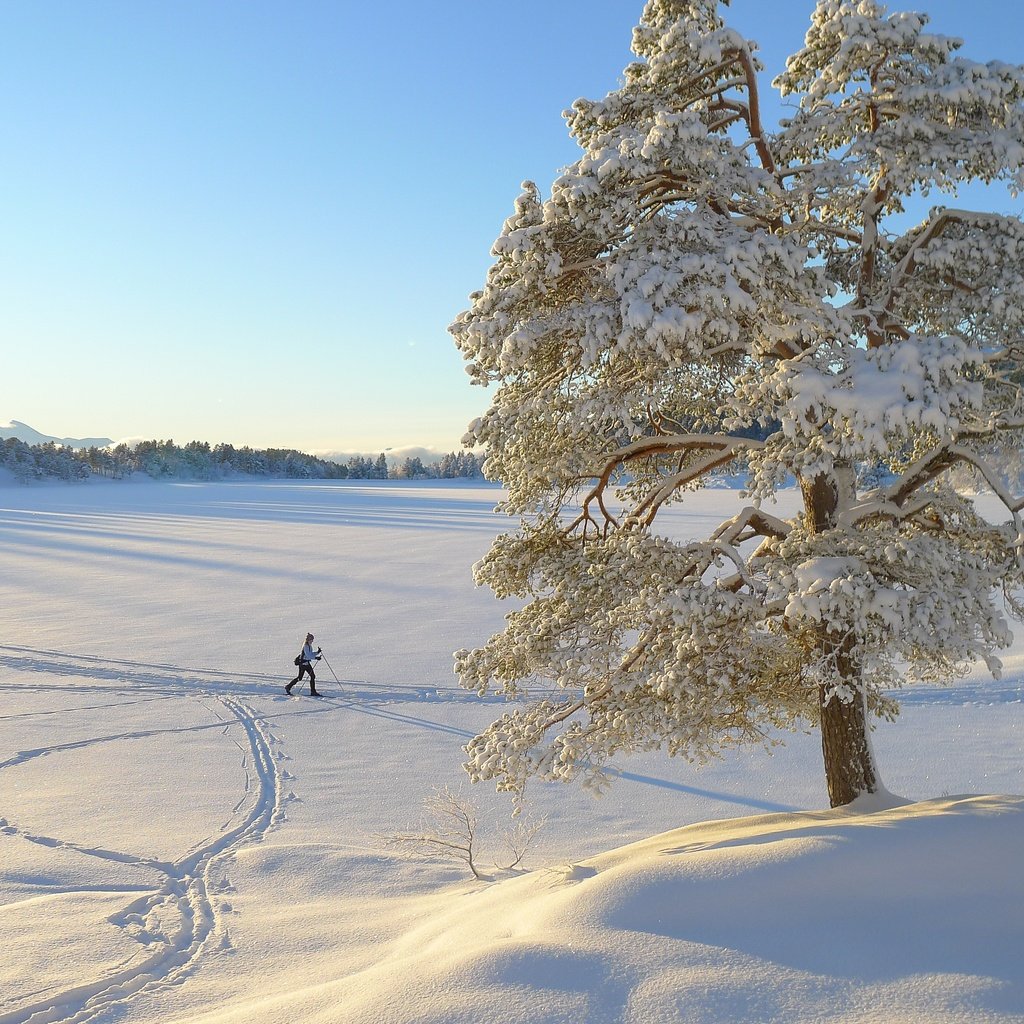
[937, 462]
[760, 524]
[903, 270]
[722, 448]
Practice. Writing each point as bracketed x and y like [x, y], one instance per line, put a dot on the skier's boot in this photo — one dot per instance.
[288, 689]
[314, 693]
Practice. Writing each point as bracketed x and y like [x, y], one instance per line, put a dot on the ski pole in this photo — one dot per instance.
[328, 664]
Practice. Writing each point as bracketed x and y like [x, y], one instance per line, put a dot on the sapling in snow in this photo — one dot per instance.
[700, 293]
[450, 830]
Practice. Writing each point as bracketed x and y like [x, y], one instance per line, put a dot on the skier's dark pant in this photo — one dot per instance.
[304, 667]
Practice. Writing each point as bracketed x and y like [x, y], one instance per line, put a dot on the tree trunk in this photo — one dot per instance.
[849, 765]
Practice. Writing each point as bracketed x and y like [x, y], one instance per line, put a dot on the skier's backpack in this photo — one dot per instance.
[298, 659]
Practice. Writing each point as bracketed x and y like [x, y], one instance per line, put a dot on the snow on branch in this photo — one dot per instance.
[751, 522]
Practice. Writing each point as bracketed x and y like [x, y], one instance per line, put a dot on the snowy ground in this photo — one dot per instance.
[181, 842]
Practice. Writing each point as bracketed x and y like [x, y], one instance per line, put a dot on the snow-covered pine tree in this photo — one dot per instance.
[698, 293]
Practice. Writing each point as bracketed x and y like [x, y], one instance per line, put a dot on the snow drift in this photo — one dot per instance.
[906, 913]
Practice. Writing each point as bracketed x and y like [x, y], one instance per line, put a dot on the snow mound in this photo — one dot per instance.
[904, 913]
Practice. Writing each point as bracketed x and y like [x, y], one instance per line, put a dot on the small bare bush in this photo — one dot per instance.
[450, 829]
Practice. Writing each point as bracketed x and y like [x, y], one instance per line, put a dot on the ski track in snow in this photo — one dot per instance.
[169, 681]
[180, 921]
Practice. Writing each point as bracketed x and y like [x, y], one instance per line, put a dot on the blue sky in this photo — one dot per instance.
[252, 221]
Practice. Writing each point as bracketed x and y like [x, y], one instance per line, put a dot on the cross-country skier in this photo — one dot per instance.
[305, 661]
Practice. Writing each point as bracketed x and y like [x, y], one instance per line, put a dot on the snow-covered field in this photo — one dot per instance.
[181, 842]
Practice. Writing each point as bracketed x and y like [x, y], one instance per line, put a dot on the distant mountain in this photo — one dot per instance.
[23, 432]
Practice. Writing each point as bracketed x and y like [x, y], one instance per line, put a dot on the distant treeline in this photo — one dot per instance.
[198, 460]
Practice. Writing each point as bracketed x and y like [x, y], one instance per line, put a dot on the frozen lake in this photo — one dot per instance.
[178, 838]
